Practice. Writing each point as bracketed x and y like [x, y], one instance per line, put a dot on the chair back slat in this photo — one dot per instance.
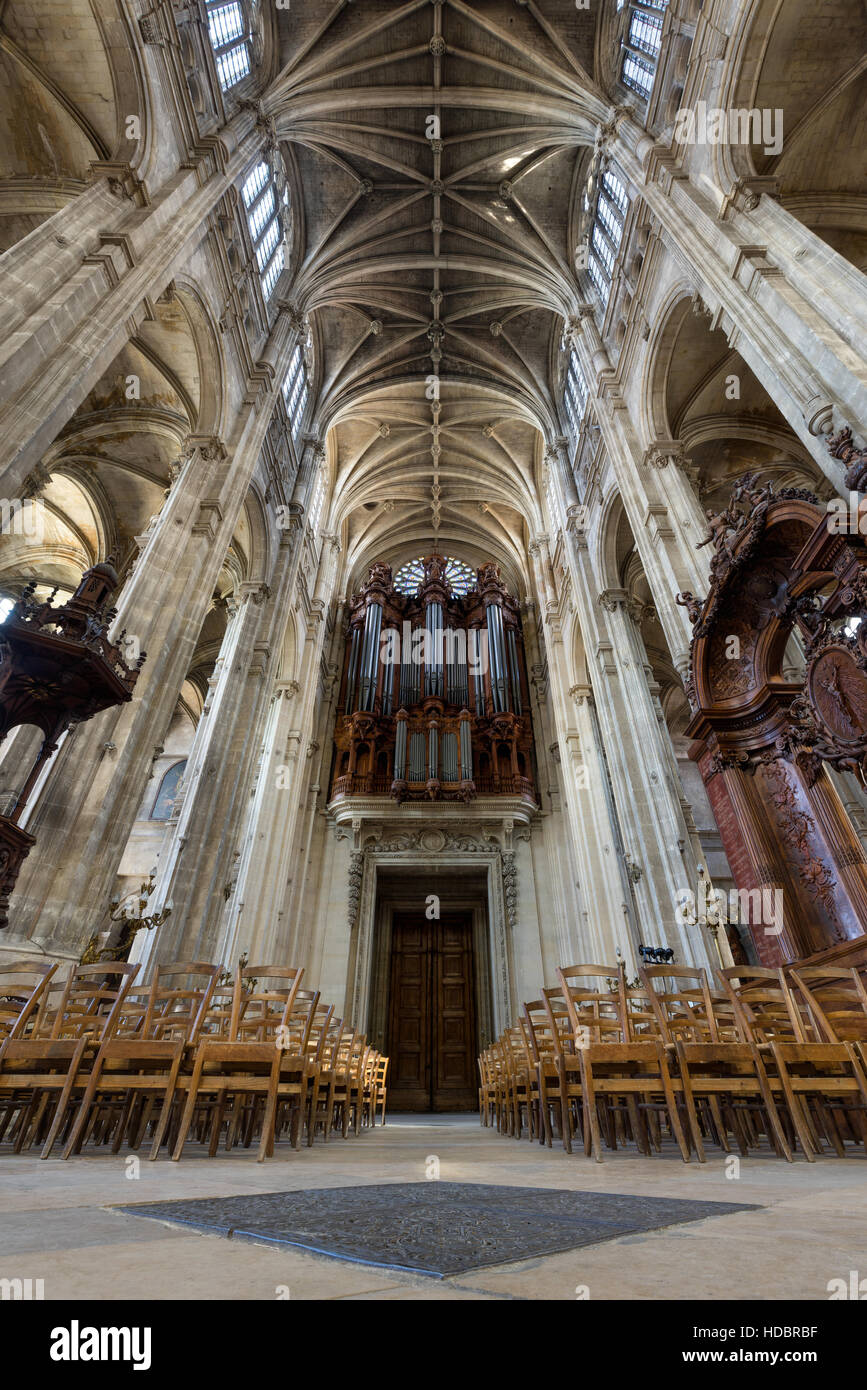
[23, 985]
[91, 1003]
[596, 999]
[766, 1009]
[837, 1000]
[682, 1002]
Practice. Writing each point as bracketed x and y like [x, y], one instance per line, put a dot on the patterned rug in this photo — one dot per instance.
[436, 1228]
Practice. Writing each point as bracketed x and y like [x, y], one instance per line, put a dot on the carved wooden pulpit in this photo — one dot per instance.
[57, 668]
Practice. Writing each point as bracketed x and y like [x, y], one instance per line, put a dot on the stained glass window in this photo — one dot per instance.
[459, 576]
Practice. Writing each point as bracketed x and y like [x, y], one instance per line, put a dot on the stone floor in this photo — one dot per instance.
[60, 1222]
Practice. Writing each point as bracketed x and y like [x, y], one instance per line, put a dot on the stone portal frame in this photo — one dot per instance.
[384, 914]
[492, 945]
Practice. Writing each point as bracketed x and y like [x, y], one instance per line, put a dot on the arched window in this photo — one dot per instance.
[167, 794]
[459, 576]
[295, 390]
[641, 45]
[229, 32]
[575, 392]
[266, 218]
[612, 205]
[317, 498]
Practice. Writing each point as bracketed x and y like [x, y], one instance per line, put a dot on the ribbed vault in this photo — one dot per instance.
[436, 151]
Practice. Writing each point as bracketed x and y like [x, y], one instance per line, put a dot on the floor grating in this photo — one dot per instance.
[435, 1228]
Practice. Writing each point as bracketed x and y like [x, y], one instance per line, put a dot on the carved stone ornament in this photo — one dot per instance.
[841, 447]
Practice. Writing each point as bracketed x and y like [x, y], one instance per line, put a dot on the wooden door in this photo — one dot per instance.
[432, 1035]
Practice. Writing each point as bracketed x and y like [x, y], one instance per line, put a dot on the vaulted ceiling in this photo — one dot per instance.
[437, 151]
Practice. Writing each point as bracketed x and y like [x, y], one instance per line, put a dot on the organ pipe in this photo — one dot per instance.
[416, 757]
[514, 670]
[400, 749]
[434, 668]
[466, 751]
[352, 674]
[433, 753]
[370, 656]
[496, 657]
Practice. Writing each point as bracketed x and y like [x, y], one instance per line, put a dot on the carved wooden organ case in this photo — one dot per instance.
[763, 742]
[434, 702]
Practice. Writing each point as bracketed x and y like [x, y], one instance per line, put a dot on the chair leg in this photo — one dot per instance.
[189, 1110]
[593, 1134]
[73, 1144]
[63, 1100]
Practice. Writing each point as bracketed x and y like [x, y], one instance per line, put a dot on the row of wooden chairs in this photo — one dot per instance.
[771, 1055]
[100, 1059]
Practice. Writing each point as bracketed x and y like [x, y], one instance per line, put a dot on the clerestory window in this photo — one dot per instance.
[266, 219]
[606, 235]
[229, 33]
[641, 45]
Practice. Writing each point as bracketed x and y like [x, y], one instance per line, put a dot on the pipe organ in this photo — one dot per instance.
[434, 702]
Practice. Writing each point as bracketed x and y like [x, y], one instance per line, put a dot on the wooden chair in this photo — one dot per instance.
[23, 985]
[341, 1073]
[722, 1083]
[248, 1063]
[293, 1083]
[356, 1082]
[316, 1043]
[487, 1089]
[133, 1072]
[371, 1066]
[381, 1087]
[541, 1036]
[821, 1083]
[567, 1066]
[323, 1090]
[622, 1079]
[520, 1078]
[46, 1068]
[836, 999]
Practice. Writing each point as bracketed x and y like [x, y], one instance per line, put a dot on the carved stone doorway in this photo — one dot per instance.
[459, 894]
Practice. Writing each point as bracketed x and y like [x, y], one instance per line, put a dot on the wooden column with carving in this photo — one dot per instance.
[761, 741]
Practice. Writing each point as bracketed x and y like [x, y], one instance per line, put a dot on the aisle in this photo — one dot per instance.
[61, 1222]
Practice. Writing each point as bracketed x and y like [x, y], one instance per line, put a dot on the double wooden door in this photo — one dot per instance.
[431, 1032]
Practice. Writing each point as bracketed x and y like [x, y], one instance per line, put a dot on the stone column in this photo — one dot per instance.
[273, 862]
[198, 864]
[782, 322]
[69, 310]
[658, 495]
[658, 853]
[92, 795]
